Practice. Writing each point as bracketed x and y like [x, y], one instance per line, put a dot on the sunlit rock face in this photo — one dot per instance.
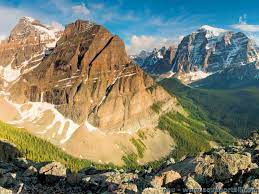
[87, 76]
[212, 49]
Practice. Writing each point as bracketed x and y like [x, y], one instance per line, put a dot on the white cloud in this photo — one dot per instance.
[244, 26]
[81, 9]
[143, 42]
[2, 37]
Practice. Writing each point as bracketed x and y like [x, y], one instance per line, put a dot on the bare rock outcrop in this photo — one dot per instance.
[89, 77]
[53, 177]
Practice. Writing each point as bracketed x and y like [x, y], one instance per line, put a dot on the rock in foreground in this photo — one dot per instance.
[232, 167]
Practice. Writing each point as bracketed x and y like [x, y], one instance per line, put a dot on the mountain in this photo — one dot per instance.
[156, 62]
[209, 50]
[85, 87]
[140, 58]
[29, 42]
[87, 97]
[200, 54]
[89, 77]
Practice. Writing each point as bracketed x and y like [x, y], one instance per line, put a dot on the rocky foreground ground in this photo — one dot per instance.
[232, 169]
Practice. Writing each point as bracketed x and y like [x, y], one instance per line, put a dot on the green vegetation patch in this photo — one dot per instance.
[39, 150]
[235, 110]
[130, 161]
[140, 146]
[189, 140]
[156, 107]
[141, 134]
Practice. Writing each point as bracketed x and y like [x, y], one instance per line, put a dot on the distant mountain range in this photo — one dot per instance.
[202, 53]
[156, 62]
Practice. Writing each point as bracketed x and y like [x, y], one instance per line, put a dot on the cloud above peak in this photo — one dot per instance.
[144, 42]
[244, 26]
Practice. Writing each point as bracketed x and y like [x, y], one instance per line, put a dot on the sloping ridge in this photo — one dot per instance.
[108, 90]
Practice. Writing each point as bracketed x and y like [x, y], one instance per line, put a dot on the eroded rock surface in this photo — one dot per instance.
[89, 77]
[187, 176]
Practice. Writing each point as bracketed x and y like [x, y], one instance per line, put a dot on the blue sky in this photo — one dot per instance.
[141, 24]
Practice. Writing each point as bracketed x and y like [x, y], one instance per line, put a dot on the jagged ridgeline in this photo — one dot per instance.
[77, 87]
[200, 54]
[79, 90]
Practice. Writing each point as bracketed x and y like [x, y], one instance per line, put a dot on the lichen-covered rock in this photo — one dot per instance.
[127, 188]
[255, 185]
[118, 178]
[7, 179]
[205, 166]
[52, 178]
[53, 172]
[191, 184]
[165, 178]
[53, 168]
[155, 191]
[229, 164]
[22, 163]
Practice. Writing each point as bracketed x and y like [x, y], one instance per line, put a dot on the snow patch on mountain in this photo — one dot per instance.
[33, 111]
[90, 127]
[197, 75]
[9, 74]
[159, 55]
[28, 19]
[212, 31]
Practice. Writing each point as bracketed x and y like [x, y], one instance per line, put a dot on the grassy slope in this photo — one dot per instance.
[192, 133]
[39, 150]
[236, 109]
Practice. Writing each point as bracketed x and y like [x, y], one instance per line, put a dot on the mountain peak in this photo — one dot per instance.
[28, 27]
[214, 30]
[27, 18]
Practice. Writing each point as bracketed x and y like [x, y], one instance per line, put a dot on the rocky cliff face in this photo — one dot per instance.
[157, 62]
[89, 77]
[225, 169]
[28, 42]
[209, 50]
[200, 54]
